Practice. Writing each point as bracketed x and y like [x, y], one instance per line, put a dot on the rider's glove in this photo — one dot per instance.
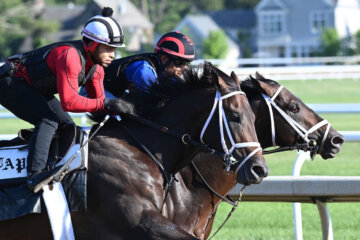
[118, 106]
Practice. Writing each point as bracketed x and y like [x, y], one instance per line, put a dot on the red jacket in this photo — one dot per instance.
[65, 63]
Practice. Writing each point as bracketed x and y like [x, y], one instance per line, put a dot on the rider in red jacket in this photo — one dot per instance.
[28, 89]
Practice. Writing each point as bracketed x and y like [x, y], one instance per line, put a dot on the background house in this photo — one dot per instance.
[292, 28]
[239, 25]
[198, 28]
[138, 29]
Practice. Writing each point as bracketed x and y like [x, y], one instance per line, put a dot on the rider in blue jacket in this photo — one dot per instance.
[173, 53]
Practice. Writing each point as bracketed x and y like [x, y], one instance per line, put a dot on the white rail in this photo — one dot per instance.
[301, 72]
[305, 189]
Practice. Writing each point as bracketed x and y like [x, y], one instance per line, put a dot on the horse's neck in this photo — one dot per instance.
[262, 119]
[212, 170]
[184, 117]
[191, 191]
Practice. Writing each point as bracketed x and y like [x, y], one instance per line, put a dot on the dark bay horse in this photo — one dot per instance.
[125, 186]
[192, 206]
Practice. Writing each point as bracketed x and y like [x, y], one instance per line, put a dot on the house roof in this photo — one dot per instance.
[202, 23]
[273, 5]
[65, 15]
[73, 17]
[239, 18]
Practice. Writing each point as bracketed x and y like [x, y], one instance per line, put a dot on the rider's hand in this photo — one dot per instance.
[119, 106]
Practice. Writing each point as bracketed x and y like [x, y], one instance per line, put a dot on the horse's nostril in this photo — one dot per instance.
[337, 140]
[260, 171]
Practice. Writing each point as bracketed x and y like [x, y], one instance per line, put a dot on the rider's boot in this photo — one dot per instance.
[36, 177]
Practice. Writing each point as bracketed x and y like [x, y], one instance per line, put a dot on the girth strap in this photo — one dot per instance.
[158, 163]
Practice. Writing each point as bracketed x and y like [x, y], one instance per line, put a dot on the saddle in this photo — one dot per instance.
[15, 198]
[13, 153]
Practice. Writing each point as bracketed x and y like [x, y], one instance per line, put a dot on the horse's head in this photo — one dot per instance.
[288, 120]
[222, 119]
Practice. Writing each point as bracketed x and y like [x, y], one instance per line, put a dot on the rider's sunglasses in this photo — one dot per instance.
[180, 62]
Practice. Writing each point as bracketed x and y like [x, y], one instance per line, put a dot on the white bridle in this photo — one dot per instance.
[223, 121]
[303, 133]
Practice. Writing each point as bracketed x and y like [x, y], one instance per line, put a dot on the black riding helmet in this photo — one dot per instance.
[177, 45]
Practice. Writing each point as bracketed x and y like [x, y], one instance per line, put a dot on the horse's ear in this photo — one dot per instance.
[259, 76]
[263, 84]
[219, 82]
[235, 77]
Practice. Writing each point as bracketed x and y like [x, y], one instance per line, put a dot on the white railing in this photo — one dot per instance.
[305, 189]
[8, 115]
[300, 72]
[346, 60]
[292, 68]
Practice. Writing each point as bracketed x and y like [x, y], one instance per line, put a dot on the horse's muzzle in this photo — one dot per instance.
[332, 146]
[253, 172]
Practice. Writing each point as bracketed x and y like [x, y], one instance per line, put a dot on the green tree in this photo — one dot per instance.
[215, 46]
[330, 42]
[244, 38]
[356, 38]
[231, 4]
[210, 4]
[19, 20]
[164, 14]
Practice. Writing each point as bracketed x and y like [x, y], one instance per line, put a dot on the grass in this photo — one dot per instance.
[12, 126]
[263, 220]
[274, 221]
[325, 91]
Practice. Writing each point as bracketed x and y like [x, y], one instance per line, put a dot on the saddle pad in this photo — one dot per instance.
[18, 200]
[13, 162]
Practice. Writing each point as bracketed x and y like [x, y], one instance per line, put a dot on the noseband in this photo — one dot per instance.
[303, 133]
[229, 160]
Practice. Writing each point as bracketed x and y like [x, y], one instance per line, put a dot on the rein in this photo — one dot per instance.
[184, 137]
[310, 144]
[231, 211]
[226, 199]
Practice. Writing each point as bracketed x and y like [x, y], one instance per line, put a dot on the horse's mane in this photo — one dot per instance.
[252, 88]
[195, 77]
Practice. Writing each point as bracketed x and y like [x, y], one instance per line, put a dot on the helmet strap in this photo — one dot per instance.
[92, 47]
[165, 64]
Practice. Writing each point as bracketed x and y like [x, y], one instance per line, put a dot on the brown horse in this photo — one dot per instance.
[192, 206]
[125, 186]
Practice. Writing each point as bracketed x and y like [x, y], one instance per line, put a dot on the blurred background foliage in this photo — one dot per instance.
[20, 19]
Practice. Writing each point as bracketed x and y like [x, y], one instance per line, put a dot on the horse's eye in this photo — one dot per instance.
[235, 117]
[294, 108]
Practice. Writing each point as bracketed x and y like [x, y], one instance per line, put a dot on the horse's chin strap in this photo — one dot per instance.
[303, 133]
[229, 160]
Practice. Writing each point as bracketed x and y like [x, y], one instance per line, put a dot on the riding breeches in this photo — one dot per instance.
[44, 113]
